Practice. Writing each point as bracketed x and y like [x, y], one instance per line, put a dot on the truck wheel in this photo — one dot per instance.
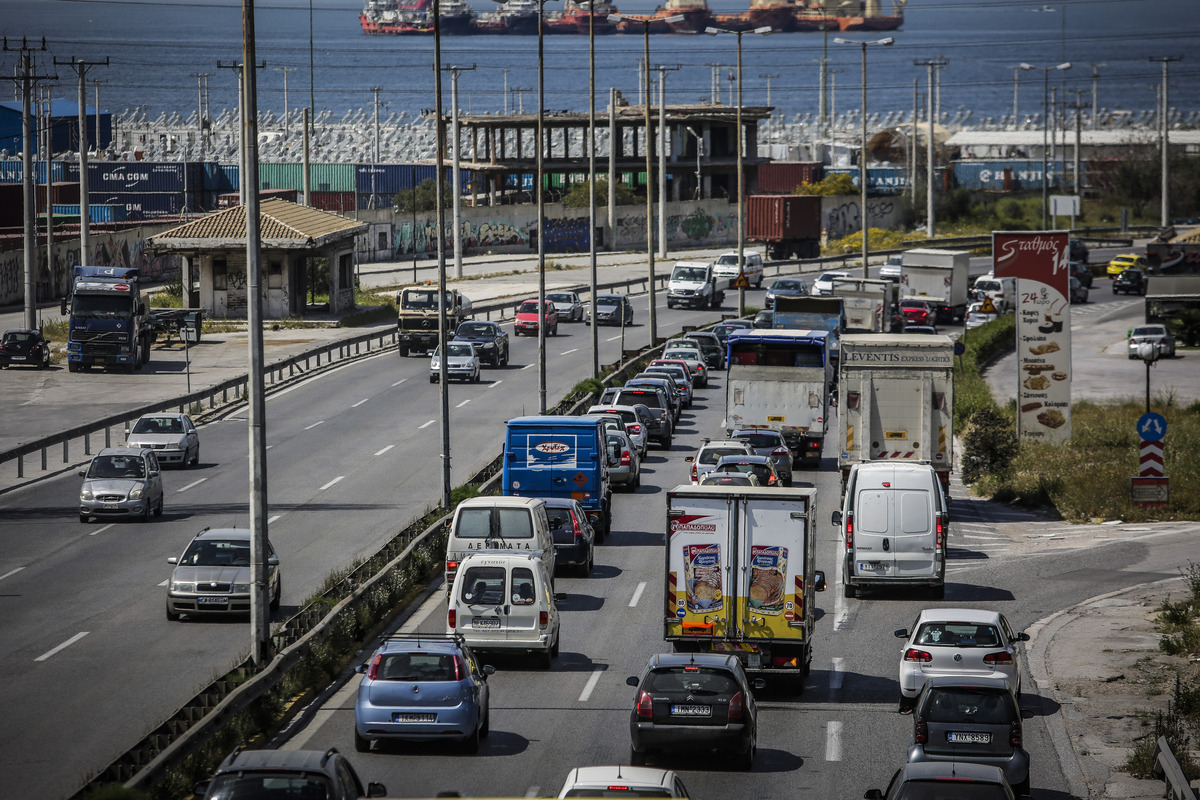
[72, 366]
[403, 351]
[849, 591]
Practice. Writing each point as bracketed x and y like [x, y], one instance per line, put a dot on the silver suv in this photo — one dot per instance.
[711, 452]
[122, 482]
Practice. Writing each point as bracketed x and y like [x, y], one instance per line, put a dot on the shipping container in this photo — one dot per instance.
[281, 176]
[789, 225]
[1008, 175]
[782, 177]
[383, 178]
[140, 176]
[880, 180]
[13, 171]
[332, 177]
[338, 202]
[219, 178]
[97, 213]
[11, 206]
[142, 205]
[233, 199]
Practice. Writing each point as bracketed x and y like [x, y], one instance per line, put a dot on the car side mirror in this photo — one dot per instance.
[689, 460]
[173, 560]
[758, 683]
[273, 560]
[83, 473]
[201, 788]
[488, 669]
[1026, 713]
[376, 790]
[874, 794]
[361, 669]
[560, 596]
[631, 681]
[819, 580]
[1022, 637]
[901, 634]
[836, 518]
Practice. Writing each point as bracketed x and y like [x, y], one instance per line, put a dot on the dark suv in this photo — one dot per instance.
[254, 774]
[970, 719]
[1130, 281]
[694, 701]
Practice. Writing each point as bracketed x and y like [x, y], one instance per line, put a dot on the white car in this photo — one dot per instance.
[172, 437]
[890, 271]
[725, 268]
[636, 427]
[711, 452]
[966, 642]
[824, 284]
[622, 781]
[568, 305]
[462, 363]
[1154, 334]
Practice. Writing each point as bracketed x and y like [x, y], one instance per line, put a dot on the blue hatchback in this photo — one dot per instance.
[422, 687]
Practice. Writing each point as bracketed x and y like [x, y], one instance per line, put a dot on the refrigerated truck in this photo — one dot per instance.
[938, 275]
[740, 576]
[866, 303]
[896, 401]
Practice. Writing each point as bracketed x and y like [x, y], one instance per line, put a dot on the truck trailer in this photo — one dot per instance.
[939, 275]
[867, 303]
[788, 224]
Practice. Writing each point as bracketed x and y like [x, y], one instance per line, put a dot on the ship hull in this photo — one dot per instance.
[888, 23]
[780, 19]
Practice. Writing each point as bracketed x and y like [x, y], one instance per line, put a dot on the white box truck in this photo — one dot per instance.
[896, 401]
[741, 576]
[939, 275]
[866, 303]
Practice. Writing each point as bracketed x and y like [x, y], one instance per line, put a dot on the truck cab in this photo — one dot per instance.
[693, 284]
[108, 325]
[418, 317]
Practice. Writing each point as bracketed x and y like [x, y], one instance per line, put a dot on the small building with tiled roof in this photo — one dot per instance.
[293, 237]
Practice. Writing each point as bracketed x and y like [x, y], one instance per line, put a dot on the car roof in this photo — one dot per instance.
[609, 296]
[291, 760]
[722, 443]
[235, 534]
[560, 502]
[494, 500]
[602, 776]
[124, 451]
[686, 659]
[958, 615]
[967, 681]
[746, 459]
[433, 642]
[932, 770]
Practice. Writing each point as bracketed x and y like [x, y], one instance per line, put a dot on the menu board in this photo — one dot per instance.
[1039, 261]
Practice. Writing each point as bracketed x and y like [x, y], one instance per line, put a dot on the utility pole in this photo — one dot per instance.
[201, 124]
[911, 171]
[931, 64]
[714, 88]
[456, 138]
[375, 91]
[1016, 92]
[1164, 124]
[243, 167]
[81, 67]
[1078, 107]
[47, 130]
[506, 93]
[1096, 93]
[286, 126]
[662, 157]
[25, 77]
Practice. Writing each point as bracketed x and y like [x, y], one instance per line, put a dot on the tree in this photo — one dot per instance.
[423, 197]
[578, 196]
[834, 185]
[1137, 183]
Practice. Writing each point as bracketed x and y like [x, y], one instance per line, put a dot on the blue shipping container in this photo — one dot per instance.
[880, 180]
[998, 175]
[97, 213]
[393, 178]
[142, 176]
[142, 205]
[367, 202]
[14, 171]
[219, 178]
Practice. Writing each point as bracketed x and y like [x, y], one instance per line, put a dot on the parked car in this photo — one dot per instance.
[769, 443]
[462, 363]
[694, 702]
[173, 438]
[259, 775]
[528, 319]
[935, 780]
[1079, 292]
[761, 467]
[422, 687]
[712, 451]
[24, 347]
[785, 287]
[711, 346]
[622, 781]
[490, 341]
[1155, 334]
[1119, 264]
[568, 305]
[610, 309]
[574, 537]
[1130, 281]
[966, 642]
[890, 271]
[823, 285]
[971, 719]
[625, 465]
[122, 482]
[721, 329]
[212, 576]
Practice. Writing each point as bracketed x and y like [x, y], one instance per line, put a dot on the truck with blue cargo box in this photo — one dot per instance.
[740, 576]
[812, 313]
[547, 456]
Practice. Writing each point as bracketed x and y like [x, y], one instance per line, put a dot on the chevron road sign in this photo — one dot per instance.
[1150, 464]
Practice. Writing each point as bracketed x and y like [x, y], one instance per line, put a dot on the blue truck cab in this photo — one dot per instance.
[547, 456]
[108, 323]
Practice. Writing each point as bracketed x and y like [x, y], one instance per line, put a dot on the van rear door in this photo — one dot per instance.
[894, 532]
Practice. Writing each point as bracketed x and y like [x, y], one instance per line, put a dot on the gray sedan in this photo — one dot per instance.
[568, 305]
[624, 463]
[172, 437]
[213, 575]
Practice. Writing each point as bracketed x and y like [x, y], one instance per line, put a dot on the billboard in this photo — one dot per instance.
[1040, 263]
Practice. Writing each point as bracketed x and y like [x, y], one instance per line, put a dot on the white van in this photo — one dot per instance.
[1001, 291]
[505, 602]
[508, 524]
[894, 525]
[726, 268]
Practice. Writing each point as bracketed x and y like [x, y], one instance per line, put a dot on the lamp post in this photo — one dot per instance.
[699, 155]
[1066, 65]
[1148, 352]
[930, 211]
[1163, 118]
[862, 154]
[741, 178]
[645, 22]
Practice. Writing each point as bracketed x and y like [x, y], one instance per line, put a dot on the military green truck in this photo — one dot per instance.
[418, 323]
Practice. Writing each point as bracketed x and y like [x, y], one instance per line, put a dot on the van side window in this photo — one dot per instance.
[914, 513]
[483, 585]
[524, 591]
[871, 516]
[474, 523]
[515, 523]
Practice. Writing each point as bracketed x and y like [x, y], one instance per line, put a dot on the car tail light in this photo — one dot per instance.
[634, 428]
[578, 529]
[850, 531]
[1015, 735]
[695, 473]
[919, 656]
[374, 670]
[618, 788]
[779, 451]
[645, 706]
[737, 706]
[626, 458]
[814, 445]
[460, 669]
[451, 618]
[995, 659]
[543, 618]
[941, 531]
[920, 731]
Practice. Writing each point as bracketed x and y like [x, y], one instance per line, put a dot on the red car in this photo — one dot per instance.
[916, 312]
[527, 318]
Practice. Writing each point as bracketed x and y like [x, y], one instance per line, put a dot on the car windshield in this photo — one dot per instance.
[958, 634]
[158, 425]
[608, 300]
[728, 258]
[829, 276]
[423, 299]
[726, 479]
[950, 790]
[761, 471]
[686, 355]
[691, 679]
[989, 286]
[417, 667]
[617, 791]
[528, 307]
[217, 553]
[233, 785]
[460, 350]
[689, 274]
[968, 705]
[760, 440]
[19, 337]
[785, 286]
[475, 329]
[476, 523]
[648, 399]
[714, 454]
[1148, 331]
[117, 467]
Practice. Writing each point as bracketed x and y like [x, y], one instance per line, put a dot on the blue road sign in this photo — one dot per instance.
[959, 348]
[1152, 427]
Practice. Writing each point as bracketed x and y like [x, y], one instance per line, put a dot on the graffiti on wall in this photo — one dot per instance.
[422, 237]
[566, 235]
[695, 227]
[845, 219]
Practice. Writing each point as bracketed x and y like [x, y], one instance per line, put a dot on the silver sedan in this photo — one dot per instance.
[624, 463]
[568, 305]
[172, 437]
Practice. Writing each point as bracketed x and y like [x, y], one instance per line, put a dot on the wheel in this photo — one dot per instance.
[745, 761]
[849, 591]
[938, 592]
[546, 658]
[196, 458]
[585, 569]
[666, 443]
[470, 745]
[361, 745]
[554, 647]
[171, 615]
[486, 727]
[403, 350]
[1021, 789]
[554, 331]
[84, 517]
[145, 517]
[158, 512]
[907, 703]
[504, 363]
[476, 378]
[637, 759]
[72, 366]
[278, 595]
[433, 379]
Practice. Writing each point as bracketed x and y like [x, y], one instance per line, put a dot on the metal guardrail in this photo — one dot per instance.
[1167, 766]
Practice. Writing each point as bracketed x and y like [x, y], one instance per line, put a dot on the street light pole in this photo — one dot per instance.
[930, 216]
[1066, 65]
[1162, 122]
[862, 153]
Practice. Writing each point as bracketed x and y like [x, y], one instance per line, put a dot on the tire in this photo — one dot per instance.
[158, 512]
[554, 648]
[745, 761]
[72, 366]
[554, 331]
[171, 615]
[1021, 789]
[637, 759]
[470, 745]
[403, 351]
[361, 745]
[84, 518]
[938, 592]
[433, 379]
[546, 659]
[504, 363]
[145, 517]
[278, 596]
[196, 458]
[849, 591]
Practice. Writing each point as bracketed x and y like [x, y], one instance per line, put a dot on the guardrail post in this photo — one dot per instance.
[87, 444]
[107, 436]
[21, 466]
[45, 457]
[66, 455]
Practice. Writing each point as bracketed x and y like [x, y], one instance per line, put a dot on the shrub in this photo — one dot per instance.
[989, 444]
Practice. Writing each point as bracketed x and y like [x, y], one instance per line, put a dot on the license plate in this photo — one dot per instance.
[691, 711]
[485, 622]
[870, 565]
[212, 601]
[398, 717]
[110, 505]
[17, 358]
[969, 738]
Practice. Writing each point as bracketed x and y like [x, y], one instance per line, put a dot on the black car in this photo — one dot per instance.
[711, 346]
[490, 340]
[935, 781]
[693, 702]
[574, 538]
[960, 718]
[1077, 250]
[786, 287]
[1081, 271]
[1130, 281]
[722, 329]
[24, 347]
[262, 774]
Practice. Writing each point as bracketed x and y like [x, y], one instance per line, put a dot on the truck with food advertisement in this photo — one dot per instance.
[741, 576]
[896, 401]
[782, 381]
[939, 275]
[866, 303]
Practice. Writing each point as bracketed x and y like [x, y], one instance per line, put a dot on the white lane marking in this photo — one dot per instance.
[572, 350]
[10, 573]
[270, 446]
[637, 594]
[360, 402]
[196, 482]
[833, 741]
[496, 383]
[384, 450]
[315, 424]
[427, 424]
[987, 538]
[62, 646]
[164, 583]
[840, 611]
[613, 338]
[331, 483]
[463, 403]
[835, 674]
[534, 791]
[397, 383]
[591, 684]
[102, 530]
[273, 518]
[529, 366]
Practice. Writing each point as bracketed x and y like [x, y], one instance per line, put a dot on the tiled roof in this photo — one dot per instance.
[281, 224]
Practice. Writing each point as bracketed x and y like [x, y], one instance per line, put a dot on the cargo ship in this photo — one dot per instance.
[695, 14]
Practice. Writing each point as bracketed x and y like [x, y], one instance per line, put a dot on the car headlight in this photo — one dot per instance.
[183, 586]
[86, 494]
[136, 494]
[240, 588]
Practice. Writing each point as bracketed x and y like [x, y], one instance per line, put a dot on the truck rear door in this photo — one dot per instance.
[770, 594]
[700, 564]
